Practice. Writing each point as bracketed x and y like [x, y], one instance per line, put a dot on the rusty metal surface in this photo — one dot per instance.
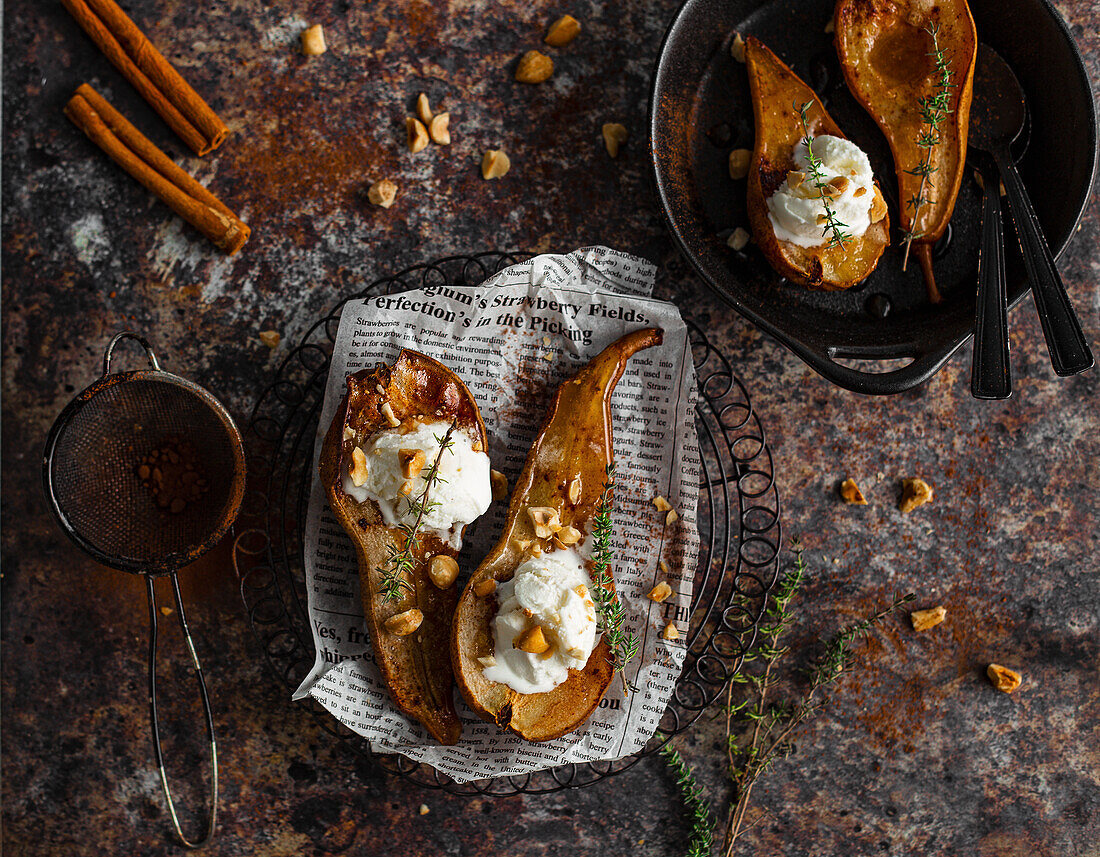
[919, 755]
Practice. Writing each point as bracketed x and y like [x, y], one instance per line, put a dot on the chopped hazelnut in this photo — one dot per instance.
[737, 48]
[924, 619]
[563, 31]
[840, 183]
[313, 41]
[423, 109]
[661, 564]
[581, 590]
[412, 462]
[532, 641]
[534, 67]
[575, 490]
[569, 536]
[738, 239]
[439, 129]
[443, 570]
[672, 517]
[495, 164]
[545, 520]
[739, 163]
[499, 483]
[416, 133]
[661, 503]
[424, 809]
[406, 488]
[382, 193]
[487, 661]
[859, 191]
[614, 135]
[403, 624]
[878, 206]
[1003, 678]
[358, 472]
[485, 587]
[391, 417]
[659, 592]
[270, 338]
[523, 544]
[795, 178]
[914, 492]
[670, 632]
[850, 493]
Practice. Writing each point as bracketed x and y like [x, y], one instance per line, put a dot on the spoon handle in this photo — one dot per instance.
[990, 376]
[1069, 350]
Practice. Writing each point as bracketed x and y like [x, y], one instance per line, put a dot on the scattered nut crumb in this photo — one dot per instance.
[417, 134]
[672, 517]
[563, 31]
[499, 483]
[403, 624]
[487, 661]
[270, 338]
[614, 135]
[358, 472]
[569, 536]
[391, 417]
[924, 619]
[575, 490]
[423, 108]
[914, 492]
[661, 503]
[313, 41]
[738, 239]
[443, 570]
[484, 587]
[659, 592]
[534, 67]
[850, 493]
[406, 488]
[661, 564]
[878, 206]
[382, 193]
[532, 641]
[670, 632]
[737, 48]
[424, 809]
[739, 163]
[439, 129]
[495, 164]
[1003, 678]
[166, 611]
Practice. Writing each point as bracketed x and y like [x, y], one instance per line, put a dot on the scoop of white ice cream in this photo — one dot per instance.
[544, 591]
[794, 212]
[458, 497]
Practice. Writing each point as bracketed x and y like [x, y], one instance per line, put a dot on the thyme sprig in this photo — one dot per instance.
[765, 729]
[395, 571]
[609, 611]
[933, 109]
[693, 796]
[833, 224]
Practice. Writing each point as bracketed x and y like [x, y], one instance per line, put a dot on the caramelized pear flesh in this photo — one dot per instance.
[776, 90]
[415, 666]
[885, 51]
[565, 470]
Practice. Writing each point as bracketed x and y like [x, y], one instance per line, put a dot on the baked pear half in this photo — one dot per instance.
[886, 53]
[376, 463]
[561, 487]
[777, 94]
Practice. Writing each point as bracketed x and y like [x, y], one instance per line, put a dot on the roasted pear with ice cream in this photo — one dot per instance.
[405, 469]
[815, 209]
[526, 649]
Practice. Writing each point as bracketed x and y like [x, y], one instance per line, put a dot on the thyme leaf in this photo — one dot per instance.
[833, 227]
[694, 798]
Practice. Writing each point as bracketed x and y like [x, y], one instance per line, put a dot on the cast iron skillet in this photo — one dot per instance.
[700, 109]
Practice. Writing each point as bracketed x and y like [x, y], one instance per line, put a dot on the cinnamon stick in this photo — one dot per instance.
[150, 73]
[140, 157]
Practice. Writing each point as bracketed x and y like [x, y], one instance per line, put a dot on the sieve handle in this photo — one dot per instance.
[208, 833]
[128, 334]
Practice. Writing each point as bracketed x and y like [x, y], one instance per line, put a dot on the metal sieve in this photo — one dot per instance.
[145, 471]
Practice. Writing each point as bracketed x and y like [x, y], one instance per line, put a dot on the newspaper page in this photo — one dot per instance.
[528, 328]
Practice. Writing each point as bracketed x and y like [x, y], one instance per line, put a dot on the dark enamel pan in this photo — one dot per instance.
[700, 109]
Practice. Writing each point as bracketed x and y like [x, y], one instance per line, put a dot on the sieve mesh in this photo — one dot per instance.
[96, 471]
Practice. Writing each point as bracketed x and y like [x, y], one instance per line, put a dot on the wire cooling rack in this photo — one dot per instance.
[738, 518]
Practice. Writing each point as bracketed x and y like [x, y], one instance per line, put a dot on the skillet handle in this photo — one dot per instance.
[822, 360]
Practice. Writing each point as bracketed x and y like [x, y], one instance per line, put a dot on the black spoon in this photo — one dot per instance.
[991, 374]
[997, 115]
